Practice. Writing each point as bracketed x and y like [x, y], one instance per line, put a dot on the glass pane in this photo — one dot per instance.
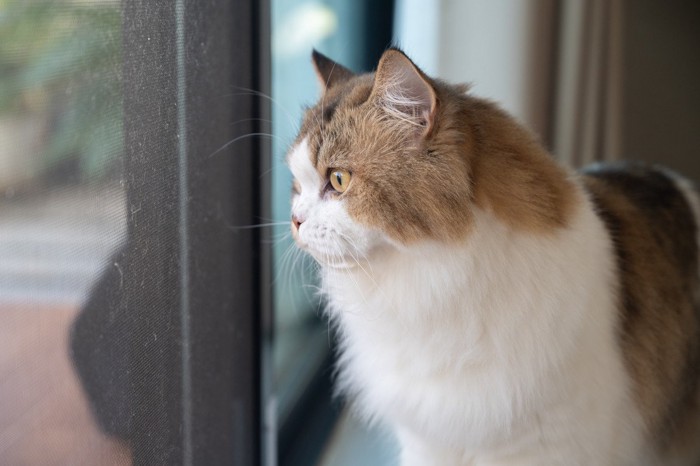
[62, 217]
[298, 26]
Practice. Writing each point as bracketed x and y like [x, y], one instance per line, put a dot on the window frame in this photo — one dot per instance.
[199, 399]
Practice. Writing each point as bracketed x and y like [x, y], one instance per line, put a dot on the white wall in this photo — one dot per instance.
[504, 48]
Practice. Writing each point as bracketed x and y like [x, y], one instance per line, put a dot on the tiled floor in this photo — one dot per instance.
[44, 416]
[53, 246]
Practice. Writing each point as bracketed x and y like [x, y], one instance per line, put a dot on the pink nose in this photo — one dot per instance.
[296, 221]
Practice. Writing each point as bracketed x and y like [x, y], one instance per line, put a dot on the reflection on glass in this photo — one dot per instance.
[297, 27]
[62, 215]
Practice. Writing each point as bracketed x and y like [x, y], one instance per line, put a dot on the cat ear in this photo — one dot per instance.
[329, 73]
[404, 91]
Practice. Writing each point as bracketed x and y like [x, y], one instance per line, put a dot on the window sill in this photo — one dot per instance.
[352, 443]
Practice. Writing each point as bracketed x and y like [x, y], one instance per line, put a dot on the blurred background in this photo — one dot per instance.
[123, 127]
[62, 215]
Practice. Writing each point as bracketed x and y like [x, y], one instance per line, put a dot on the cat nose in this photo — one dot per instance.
[297, 221]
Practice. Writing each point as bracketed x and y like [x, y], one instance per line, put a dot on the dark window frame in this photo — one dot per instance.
[199, 397]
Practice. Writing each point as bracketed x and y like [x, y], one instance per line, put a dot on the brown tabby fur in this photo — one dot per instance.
[424, 195]
[654, 232]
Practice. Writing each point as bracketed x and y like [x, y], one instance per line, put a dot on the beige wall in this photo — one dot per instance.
[598, 80]
[505, 48]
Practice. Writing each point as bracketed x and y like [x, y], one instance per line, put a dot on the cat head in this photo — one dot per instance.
[388, 159]
[373, 163]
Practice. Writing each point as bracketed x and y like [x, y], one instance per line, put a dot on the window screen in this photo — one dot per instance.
[131, 304]
[63, 211]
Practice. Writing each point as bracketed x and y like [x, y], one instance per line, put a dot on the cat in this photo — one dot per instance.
[492, 306]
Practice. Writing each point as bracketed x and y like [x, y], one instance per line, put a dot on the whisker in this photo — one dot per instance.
[284, 266]
[275, 165]
[247, 91]
[247, 120]
[261, 225]
[279, 236]
[244, 136]
[352, 278]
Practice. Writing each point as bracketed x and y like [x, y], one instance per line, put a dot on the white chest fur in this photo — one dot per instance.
[501, 347]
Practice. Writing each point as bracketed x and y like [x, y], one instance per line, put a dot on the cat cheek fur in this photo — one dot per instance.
[327, 231]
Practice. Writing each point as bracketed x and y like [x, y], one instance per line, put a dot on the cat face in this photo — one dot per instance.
[321, 223]
[374, 165]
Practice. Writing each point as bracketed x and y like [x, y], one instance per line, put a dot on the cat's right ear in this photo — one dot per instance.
[329, 73]
[404, 91]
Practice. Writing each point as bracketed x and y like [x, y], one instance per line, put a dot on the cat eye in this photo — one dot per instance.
[340, 179]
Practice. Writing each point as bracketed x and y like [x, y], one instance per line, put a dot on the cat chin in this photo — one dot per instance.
[332, 261]
[342, 266]
[349, 253]
[323, 259]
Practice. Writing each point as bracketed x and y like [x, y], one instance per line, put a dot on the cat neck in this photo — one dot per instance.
[497, 276]
[513, 175]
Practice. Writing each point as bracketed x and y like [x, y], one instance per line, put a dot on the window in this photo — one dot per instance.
[136, 289]
[131, 307]
[355, 33]
[63, 216]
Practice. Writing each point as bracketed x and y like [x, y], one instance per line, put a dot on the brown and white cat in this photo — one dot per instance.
[495, 308]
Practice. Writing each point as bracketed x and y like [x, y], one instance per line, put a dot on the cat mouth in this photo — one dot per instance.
[327, 259]
[349, 265]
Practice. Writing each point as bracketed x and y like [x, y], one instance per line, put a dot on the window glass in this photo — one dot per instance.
[62, 216]
[335, 29]
[354, 33]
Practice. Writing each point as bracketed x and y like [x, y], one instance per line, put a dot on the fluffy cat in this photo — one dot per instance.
[493, 307]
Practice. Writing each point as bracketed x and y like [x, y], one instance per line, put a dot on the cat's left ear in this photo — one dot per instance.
[404, 91]
[329, 72]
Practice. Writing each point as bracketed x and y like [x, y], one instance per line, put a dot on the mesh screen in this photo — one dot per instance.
[129, 308]
[62, 219]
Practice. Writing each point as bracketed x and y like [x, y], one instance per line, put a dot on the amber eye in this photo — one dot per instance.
[340, 179]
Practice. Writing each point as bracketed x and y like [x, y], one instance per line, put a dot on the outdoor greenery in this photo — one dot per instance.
[62, 60]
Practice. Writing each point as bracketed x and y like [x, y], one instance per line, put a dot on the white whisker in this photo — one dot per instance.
[260, 225]
[244, 136]
[247, 91]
